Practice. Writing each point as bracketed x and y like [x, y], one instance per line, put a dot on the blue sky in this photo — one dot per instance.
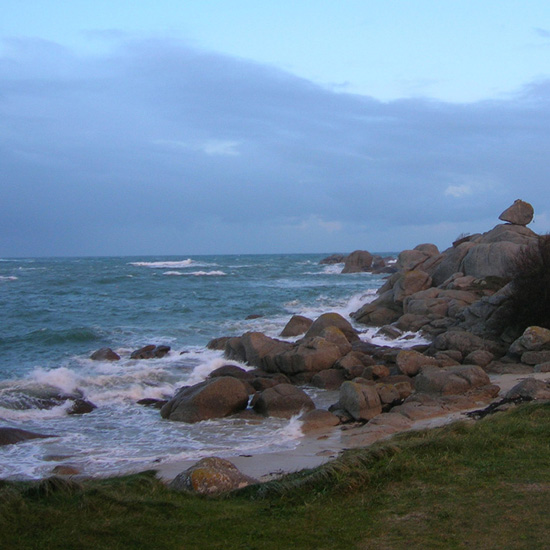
[245, 127]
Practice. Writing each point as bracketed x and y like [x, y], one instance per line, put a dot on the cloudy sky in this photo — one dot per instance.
[237, 126]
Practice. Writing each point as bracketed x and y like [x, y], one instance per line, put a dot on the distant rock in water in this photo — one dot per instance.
[150, 352]
[358, 261]
[520, 213]
[297, 325]
[105, 354]
[333, 259]
[9, 436]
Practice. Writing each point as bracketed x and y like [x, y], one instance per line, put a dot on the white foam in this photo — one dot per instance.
[63, 378]
[197, 273]
[164, 265]
[406, 340]
[201, 372]
[8, 278]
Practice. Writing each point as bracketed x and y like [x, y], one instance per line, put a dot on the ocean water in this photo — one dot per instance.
[55, 312]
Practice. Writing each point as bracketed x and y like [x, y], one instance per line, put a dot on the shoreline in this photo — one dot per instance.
[319, 447]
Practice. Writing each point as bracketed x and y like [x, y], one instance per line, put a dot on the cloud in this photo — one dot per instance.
[130, 151]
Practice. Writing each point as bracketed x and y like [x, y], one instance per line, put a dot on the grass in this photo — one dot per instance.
[479, 485]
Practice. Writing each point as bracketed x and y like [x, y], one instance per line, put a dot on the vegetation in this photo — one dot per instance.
[529, 303]
[470, 485]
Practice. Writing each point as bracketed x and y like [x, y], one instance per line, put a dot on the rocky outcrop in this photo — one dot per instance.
[450, 380]
[463, 286]
[210, 476]
[215, 398]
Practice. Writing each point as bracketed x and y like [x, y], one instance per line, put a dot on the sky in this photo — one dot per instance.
[235, 126]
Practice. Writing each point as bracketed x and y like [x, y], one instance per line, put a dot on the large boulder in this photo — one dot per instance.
[283, 401]
[256, 349]
[533, 339]
[215, 398]
[360, 400]
[520, 213]
[357, 262]
[297, 325]
[530, 388]
[332, 320]
[151, 351]
[450, 380]
[210, 476]
[411, 282]
[409, 362]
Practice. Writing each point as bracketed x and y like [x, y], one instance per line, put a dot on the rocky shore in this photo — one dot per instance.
[457, 299]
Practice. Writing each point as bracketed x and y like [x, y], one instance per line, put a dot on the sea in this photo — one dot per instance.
[55, 312]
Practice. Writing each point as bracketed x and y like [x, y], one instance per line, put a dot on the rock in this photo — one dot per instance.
[490, 259]
[105, 354]
[409, 362]
[361, 401]
[231, 370]
[318, 419]
[357, 262]
[218, 343]
[9, 436]
[450, 380]
[210, 476]
[533, 339]
[543, 367]
[215, 398]
[389, 394]
[530, 388]
[520, 213]
[151, 402]
[65, 470]
[410, 283]
[479, 357]
[297, 325]
[309, 356]
[150, 351]
[333, 259]
[501, 367]
[535, 357]
[375, 372]
[389, 331]
[81, 406]
[329, 379]
[256, 349]
[332, 320]
[283, 401]
[459, 340]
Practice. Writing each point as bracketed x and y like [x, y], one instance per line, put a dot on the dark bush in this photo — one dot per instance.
[529, 302]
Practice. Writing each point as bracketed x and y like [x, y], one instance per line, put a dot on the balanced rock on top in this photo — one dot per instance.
[520, 213]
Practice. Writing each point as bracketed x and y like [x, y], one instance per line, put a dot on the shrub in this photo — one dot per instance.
[529, 302]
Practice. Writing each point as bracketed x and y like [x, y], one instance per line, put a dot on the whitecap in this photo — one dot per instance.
[8, 278]
[164, 265]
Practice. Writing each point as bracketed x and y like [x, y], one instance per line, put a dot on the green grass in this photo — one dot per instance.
[476, 486]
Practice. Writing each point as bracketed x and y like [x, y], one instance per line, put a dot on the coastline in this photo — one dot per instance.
[319, 447]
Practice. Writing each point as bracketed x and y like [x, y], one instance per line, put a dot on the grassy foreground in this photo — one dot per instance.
[475, 486]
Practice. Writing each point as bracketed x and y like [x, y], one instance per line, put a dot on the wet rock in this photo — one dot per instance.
[105, 354]
[218, 343]
[215, 398]
[232, 370]
[150, 351]
[151, 402]
[297, 325]
[283, 401]
[81, 406]
[10, 436]
[520, 213]
[211, 476]
[333, 259]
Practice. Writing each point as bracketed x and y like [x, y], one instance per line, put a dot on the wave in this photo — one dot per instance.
[8, 278]
[196, 273]
[51, 337]
[164, 265]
